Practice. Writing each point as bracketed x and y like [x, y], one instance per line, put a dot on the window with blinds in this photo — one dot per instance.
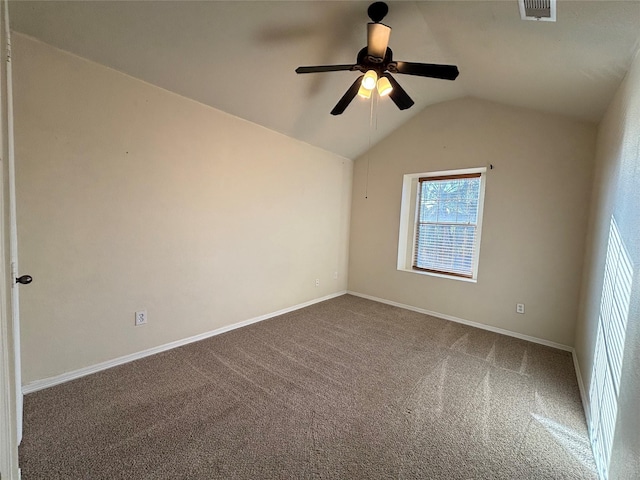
[609, 351]
[446, 231]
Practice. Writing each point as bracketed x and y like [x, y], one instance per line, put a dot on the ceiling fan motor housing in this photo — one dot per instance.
[367, 62]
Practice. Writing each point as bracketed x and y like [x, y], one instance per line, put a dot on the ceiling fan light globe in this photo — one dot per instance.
[370, 79]
[364, 93]
[384, 86]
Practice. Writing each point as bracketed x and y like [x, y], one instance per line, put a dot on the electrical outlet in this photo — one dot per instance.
[317, 282]
[141, 317]
[519, 307]
[335, 275]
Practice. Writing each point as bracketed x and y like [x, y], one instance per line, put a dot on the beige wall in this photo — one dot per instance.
[535, 215]
[617, 197]
[131, 197]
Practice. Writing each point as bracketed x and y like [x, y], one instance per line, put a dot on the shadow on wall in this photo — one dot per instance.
[612, 327]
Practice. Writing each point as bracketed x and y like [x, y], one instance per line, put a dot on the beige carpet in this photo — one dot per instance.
[344, 389]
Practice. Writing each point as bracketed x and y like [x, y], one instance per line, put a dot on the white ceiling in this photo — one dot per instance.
[240, 56]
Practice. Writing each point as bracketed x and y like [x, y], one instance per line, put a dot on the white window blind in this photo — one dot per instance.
[447, 224]
[609, 352]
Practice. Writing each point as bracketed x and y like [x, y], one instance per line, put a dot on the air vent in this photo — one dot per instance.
[543, 10]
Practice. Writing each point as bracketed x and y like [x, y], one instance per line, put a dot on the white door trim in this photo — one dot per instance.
[13, 230]
[10, 388]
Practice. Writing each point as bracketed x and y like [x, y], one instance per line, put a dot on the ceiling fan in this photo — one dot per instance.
[376, 63]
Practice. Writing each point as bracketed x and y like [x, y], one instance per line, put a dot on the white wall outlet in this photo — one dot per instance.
[519, 307]
[317, 282]
[335, 275]
[141, 317]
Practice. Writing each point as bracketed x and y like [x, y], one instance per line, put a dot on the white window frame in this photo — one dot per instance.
[409, 217]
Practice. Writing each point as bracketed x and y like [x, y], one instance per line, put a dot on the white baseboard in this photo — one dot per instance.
[583, 393]
[68, 376]
[482, 326]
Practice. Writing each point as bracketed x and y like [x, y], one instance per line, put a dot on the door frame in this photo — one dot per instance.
[10, 388]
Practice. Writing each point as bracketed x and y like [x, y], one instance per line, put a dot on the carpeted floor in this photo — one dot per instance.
[344, 389]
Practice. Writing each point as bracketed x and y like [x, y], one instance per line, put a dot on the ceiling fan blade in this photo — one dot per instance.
[398, 95]
[432, 70]
[344, 102]
[377, 39]
[325, 68]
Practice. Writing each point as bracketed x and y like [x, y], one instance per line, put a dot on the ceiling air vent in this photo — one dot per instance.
[544, 10]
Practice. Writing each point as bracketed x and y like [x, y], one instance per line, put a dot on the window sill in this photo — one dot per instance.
[440, 275]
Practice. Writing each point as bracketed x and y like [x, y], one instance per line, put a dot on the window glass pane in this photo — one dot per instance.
[447, 211]
[428, 204]
[429, 211]
[430, 190]
[472, 208]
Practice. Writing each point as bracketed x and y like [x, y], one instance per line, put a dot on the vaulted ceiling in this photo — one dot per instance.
[240, 56]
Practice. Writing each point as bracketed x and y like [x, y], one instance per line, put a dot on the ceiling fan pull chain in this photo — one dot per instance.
[366, 187]
[375, 112]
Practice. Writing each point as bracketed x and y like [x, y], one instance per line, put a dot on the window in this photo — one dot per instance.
[441, 220]
[609, 351]
[445, 234]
